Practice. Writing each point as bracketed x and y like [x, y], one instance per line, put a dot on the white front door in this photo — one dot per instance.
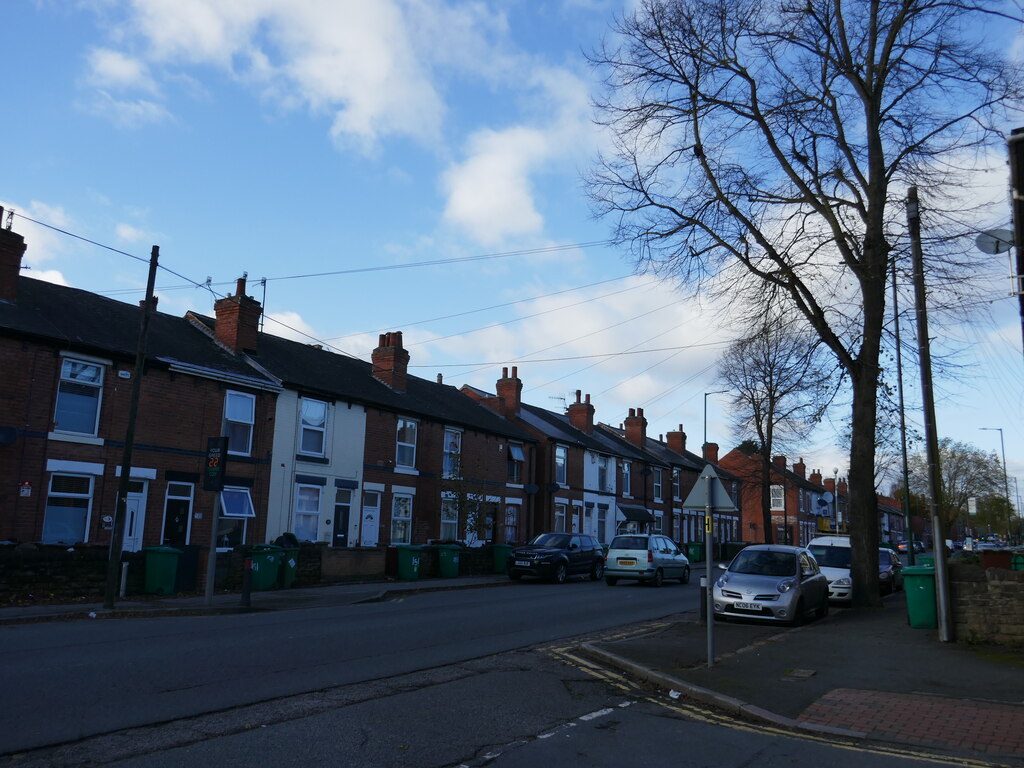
[369, 525]
[134, 516]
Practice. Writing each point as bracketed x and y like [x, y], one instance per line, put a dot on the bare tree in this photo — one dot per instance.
[762, 146]
[966, 472]
[780, 387]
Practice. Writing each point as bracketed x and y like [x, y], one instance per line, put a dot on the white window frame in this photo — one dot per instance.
[452, 452]
[405, 452]
[312, 429]
[515, 461]
[560, 513]
[512, 515]
[246, 512]
[676, 483]
[449, 530]
[88, 497]
[659, 523]
[251, 423]
[561, 467]
[627, 478]
[658, 482]
[778, 498]
[169, 497]
[67, 377]
[299, 528]
[602, 473]
[401, 523]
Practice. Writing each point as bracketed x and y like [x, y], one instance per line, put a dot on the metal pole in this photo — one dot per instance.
[117, 533]
[710, 597]
[704, 446]
[930, 431]
[211, 558]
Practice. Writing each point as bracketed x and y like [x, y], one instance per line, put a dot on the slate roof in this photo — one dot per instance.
[334, 376]
[88, 323]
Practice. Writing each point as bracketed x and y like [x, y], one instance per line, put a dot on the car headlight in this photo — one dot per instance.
[843, 582]
[786, 585]
[722, 581]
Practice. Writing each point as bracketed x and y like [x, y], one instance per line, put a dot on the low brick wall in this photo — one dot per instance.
[987, 604]
[57, 574]
[348, 564]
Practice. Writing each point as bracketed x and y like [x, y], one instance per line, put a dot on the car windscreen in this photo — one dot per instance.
[831, 557]
[764, 563]
[629, 542]
[557, 540]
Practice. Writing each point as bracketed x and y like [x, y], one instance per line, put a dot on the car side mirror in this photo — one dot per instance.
[723, 567]
[807, 574]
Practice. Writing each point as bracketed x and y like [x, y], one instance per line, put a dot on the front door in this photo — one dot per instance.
[369, 521]
[134, 516]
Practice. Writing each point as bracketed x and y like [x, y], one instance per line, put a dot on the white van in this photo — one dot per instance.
[833, 556]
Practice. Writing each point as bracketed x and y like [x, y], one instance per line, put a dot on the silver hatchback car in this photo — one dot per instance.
[645, 557]
[771, 582]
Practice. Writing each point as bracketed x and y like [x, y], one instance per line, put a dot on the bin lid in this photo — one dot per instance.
[918, 570]
[162, 549]
[266, 548]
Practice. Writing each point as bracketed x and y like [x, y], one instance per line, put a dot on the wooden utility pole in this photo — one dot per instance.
[117, 534]
[930, 432]
[1016, 146]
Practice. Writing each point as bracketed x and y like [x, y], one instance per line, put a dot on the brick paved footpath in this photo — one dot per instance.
[982, 726]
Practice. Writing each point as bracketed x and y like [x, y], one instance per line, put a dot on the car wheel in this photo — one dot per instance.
[686, 576]
[561, 574]
[798, 615]
[659, 578]
[611, 581]
[597, 571]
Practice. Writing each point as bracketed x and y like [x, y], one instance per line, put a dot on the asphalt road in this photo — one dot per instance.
[70, 681]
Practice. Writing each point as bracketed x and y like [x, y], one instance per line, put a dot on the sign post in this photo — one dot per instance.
[709, 496]
[213, 480]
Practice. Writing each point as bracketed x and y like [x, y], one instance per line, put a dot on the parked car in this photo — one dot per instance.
[645, 557]
[890, 571]
[557, 556]
[833, 555]
[773, 582]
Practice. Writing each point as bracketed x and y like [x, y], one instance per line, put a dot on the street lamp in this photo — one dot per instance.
[704, 446]
[1006, 478]
[835, 498]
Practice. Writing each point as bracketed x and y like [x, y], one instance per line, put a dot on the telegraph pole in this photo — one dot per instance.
[930, 432]
[117, 534]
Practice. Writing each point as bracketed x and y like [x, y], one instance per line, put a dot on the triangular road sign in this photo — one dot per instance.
[709, 482]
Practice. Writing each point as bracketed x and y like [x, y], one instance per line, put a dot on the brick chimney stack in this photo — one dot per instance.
[800, 468]
[12, 248]
[238, 320]
[391, 361]
[711, 453]
[581, 414]
[510, 392]
[636, 427]
[677, 440]
[816, 477]
[142, 303]
[779, 462]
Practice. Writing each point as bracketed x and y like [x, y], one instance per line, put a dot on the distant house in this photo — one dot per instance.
[67, 369]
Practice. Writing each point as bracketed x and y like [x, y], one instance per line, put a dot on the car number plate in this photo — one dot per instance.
[627, 561]
[748, 606]
[523, 563]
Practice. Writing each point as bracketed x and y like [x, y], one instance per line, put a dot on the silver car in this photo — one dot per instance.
[645, 557]
[773, 582]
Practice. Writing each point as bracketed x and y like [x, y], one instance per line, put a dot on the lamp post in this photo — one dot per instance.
[1006, 479]
[704, 446]
[835, 497]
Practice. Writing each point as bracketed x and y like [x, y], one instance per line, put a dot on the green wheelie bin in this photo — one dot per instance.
[408, 562]
[266, 566]
[161, 569]
[448, 557]
[919, 584]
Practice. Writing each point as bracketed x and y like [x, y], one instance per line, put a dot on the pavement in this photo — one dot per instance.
[857, 675]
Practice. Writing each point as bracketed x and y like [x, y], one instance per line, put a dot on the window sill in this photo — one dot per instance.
[520, 486]
[64, 437]
[406, 471]
[312, 459]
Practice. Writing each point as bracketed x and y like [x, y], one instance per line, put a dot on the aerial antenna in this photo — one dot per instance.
[558, 397]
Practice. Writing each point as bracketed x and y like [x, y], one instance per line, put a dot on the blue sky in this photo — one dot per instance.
[289, 139]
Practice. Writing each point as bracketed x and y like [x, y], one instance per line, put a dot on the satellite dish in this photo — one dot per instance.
[994, 241]
[827, 497]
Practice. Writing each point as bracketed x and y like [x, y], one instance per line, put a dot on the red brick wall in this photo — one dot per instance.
[176, 414]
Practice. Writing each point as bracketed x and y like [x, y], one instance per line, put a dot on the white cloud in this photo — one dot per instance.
[109, 69]
[290, 325]
[127, 113]
[489, 195]
[130, 234]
